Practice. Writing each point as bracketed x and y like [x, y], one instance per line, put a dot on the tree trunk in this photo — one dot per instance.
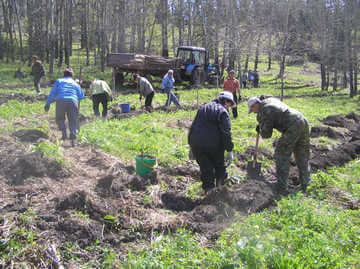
[173, 30]
[323, 77]
[269, 50]
[87, 44]
[189, 39]
[151, 37]
[121, 27]
[327, 80]
[181, 22]
[335, 80]
[52, 45]
[61, 37]
[1, 44]
[20, 30]
[164, 28]
[256, 62]
[355, 63]
[281, 73]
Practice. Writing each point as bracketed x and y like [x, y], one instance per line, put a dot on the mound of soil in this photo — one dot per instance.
[176, 202]
[247, 197]
[338, 157]
[33, 164]
[30, 135]
[84, 233]
[318, 131]
[189, 169]
[337, 121]
[84, 202]
[21, 97]
[139, 183]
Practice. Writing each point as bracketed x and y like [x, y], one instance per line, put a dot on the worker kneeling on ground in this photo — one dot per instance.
[146, 90]
[272, 113]
[101, 94]
[209, 137]
[67, 94]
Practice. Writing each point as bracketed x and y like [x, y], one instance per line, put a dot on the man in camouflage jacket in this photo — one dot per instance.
[37, 71]
[274, 114]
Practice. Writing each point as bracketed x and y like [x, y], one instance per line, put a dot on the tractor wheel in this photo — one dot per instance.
[198, 76]
[177, 76]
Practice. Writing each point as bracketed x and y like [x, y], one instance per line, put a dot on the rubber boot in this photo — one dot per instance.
[64, 136]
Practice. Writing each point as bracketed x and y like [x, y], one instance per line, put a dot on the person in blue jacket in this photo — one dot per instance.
[167, 86]
[67, 95]
[209, 137]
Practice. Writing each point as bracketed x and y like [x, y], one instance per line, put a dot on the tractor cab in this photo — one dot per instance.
[192, 63]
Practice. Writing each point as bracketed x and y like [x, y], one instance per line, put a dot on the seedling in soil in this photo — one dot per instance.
[81, 214]
[110, 219]
[194, 191]
[147, 200]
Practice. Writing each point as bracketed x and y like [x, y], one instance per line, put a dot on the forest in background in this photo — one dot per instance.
[233, 31]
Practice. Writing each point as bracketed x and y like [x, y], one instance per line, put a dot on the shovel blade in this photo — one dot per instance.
[253, 169]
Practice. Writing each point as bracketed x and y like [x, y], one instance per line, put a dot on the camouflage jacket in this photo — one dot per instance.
[37, 70]
[275, 114]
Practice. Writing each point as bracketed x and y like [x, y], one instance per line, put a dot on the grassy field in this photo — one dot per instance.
[314, 230]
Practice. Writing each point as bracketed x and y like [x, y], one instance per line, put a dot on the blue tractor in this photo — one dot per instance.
[193, 65]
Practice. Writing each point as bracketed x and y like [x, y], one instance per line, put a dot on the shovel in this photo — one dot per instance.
[253, 167]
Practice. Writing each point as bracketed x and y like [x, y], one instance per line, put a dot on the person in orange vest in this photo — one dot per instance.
[232, 85]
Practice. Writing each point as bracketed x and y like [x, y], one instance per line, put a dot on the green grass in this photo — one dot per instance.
[150, 134]
[14, 109]
[145, 134]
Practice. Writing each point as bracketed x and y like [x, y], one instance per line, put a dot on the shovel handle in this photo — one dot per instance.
[256, 148]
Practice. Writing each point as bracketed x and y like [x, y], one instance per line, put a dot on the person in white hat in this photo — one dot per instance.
[274, 114]
[209, 137]
[167, 86]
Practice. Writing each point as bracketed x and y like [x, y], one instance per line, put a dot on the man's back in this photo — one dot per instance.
[37, 69]
[99, 86]
[145, 86]
[66, 88]
[206, 131]
[281, 115]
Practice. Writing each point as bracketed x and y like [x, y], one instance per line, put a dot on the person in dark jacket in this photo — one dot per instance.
[38, 72]
[209, 137]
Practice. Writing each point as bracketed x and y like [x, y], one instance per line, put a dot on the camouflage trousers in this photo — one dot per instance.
[294, 140]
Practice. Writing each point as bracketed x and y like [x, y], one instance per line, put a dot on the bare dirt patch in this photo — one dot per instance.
[21, 97]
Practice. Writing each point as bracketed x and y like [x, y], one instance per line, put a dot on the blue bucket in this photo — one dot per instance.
[125, 108]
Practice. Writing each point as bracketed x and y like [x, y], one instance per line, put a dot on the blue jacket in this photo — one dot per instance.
[167, 84]
[211, 128]
[65, 88]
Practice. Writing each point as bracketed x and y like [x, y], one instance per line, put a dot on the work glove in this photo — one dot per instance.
[258, 128]
[191, 155]
[239, 99]
[47, 108]
[229, 157]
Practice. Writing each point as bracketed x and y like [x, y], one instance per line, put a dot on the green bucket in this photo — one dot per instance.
[145, 165]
